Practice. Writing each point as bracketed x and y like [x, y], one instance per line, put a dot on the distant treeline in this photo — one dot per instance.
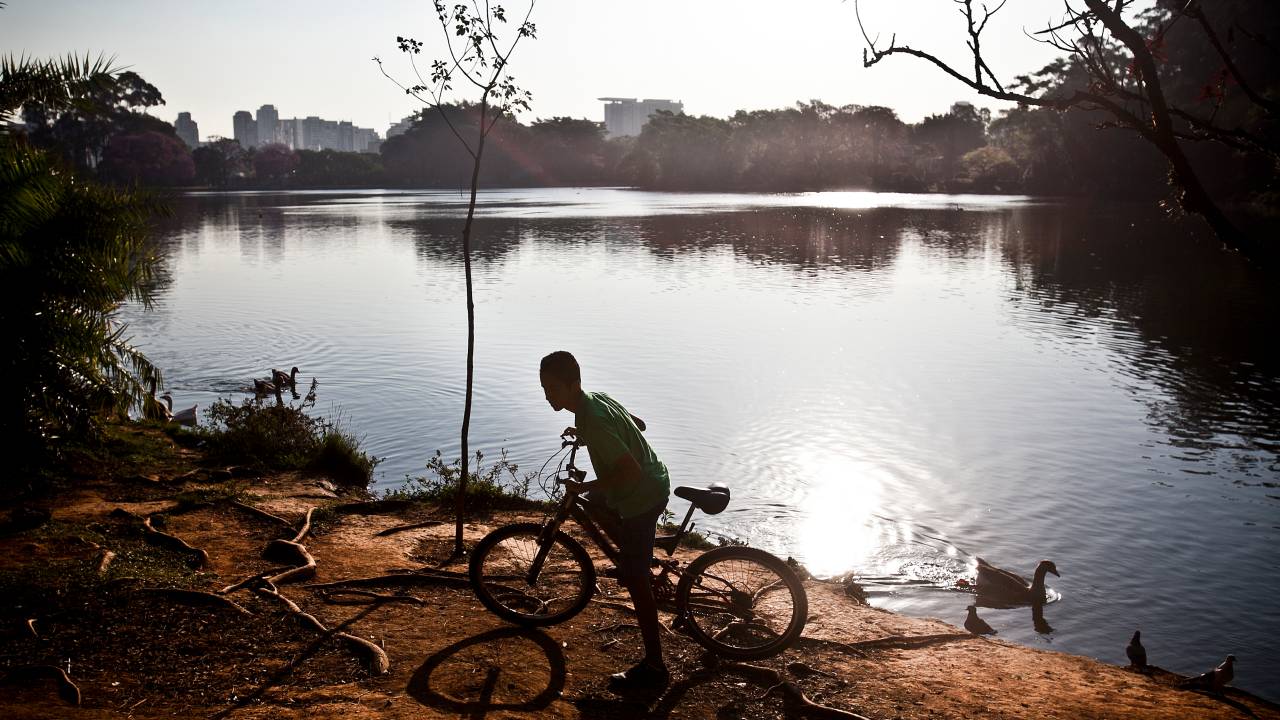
[811, 146]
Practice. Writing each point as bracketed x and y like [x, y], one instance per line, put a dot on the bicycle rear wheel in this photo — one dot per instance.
[742, 603]
[499, 573]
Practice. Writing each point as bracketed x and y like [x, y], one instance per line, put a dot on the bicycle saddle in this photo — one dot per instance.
[711, 500]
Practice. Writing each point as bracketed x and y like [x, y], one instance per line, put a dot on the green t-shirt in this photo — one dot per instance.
[607, 430]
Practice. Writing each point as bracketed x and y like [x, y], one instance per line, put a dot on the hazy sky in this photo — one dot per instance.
[717, 56]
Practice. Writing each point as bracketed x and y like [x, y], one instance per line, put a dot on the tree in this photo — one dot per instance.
[147, 158]
[80, 131]
[1114, 67]
[476, 57]
[216, 163]
[70, 252]
[274, 162]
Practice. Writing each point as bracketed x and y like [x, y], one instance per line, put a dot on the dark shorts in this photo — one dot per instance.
[634, 535]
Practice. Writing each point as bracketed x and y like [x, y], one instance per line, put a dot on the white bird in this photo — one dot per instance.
[152, 408]
[182, 417]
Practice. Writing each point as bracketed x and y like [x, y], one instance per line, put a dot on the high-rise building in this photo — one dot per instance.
[625, 116]
[187, 130]
[268, 119]
[346, 137]
[402, 127]
[365, 140]
[244, 129]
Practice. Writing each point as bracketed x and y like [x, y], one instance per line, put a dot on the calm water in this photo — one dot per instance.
[891, 384]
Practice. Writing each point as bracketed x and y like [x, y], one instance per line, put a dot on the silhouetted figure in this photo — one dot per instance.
[1001, 587]
[628, 496]
[977, 625]
[1137, 654]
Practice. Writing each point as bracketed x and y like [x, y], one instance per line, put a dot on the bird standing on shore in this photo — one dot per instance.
[1137, 654]
[1217, 678]
[977, 625]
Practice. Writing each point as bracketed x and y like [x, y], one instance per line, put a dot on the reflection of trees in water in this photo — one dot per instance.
[807, 240]
[1198, 316]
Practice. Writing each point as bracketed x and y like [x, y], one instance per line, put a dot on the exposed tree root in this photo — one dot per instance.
[306, 526]
[335, 595]
[373, 507]
[627, 608]
[860, 649]
[164, 539]
[433, 577]
[304, 571]
[410, 526]
[776, 682]
[104, 561]
[195, 597]
[259, 512]
[67, 690]
[374, 657]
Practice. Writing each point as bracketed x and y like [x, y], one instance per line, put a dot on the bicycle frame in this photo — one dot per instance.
[574, 506]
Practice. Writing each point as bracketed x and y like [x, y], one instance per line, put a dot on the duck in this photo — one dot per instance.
[282, 379]
[1217, 678]
[1002, 587]
[1137, 654]
[977, 625]
[262, 387]
[182, 417]
[152, 408]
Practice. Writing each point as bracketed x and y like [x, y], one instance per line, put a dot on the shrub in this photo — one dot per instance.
[496, 487]
[284, 437]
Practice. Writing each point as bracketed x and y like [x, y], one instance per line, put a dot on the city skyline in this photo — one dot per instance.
[716, 56]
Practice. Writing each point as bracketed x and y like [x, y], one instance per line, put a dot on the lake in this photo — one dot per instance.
[892, 385]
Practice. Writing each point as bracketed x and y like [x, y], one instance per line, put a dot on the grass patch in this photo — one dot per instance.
[498, 486]
[213, 495]
[284, 436]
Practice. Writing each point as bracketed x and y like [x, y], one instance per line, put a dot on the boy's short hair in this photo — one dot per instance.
[562, 366]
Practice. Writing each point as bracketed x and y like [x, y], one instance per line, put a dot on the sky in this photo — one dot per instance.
[716, 56]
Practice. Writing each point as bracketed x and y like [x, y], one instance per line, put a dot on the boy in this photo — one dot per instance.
[634, 486]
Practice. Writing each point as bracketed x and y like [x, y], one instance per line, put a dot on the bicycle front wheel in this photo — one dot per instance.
[500, 573]
[742, 603]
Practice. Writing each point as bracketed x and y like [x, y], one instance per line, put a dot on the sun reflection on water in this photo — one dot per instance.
[839, 531]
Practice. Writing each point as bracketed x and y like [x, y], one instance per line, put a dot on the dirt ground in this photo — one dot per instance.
[134, 652]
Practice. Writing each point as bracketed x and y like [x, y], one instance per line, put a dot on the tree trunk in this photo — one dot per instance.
[461, 509]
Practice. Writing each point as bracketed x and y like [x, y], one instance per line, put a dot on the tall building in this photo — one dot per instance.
[365, 140]
[244, 129]
[402, 127]
[346, 137]
[268, 120]
[187, 130]
[625, 116]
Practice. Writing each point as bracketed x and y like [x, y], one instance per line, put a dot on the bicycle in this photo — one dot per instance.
[739, 602]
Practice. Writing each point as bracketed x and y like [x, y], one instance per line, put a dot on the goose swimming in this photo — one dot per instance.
[1001, 587]
[282, 379]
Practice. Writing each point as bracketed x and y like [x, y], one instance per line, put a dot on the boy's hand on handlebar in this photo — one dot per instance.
[569, 431]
